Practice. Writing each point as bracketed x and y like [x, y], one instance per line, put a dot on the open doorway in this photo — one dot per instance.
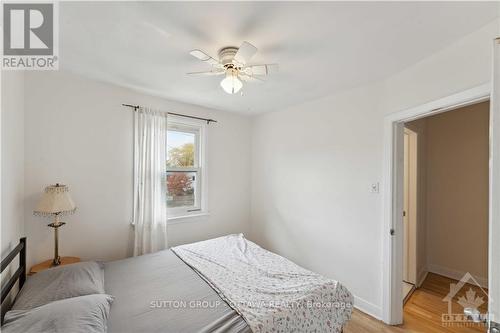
[445, 218]
[393, 232]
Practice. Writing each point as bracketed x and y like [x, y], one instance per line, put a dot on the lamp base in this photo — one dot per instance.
[56, 261]
[56, 225]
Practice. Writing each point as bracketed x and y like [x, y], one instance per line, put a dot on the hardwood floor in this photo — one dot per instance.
[423, 311]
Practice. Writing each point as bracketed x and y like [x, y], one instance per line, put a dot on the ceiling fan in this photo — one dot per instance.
[233, 62]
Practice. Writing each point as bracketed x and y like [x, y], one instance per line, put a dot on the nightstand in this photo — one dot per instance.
[48, 264]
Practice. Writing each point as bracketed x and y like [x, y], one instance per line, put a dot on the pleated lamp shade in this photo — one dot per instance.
[55, 200]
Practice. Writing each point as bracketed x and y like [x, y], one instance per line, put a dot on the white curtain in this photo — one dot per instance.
[150, 173]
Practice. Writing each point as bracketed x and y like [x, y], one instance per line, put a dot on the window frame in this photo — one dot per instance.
[198, 128]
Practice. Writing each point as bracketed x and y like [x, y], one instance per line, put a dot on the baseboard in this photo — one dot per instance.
[455, 274]
[421, 277]
[368, 308]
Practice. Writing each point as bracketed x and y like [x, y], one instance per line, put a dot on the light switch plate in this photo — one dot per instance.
[375, 188]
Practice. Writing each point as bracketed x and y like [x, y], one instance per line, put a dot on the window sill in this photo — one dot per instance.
[183, 218]
[186, 218]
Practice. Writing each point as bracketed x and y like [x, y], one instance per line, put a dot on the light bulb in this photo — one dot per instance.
[230, 83]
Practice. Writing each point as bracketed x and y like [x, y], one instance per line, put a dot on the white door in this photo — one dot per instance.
[406, 228]
[410, 207]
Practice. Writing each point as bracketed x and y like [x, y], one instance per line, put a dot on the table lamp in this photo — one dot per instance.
[55, 202]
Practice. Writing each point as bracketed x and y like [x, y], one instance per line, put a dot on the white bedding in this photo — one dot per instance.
[270, 292]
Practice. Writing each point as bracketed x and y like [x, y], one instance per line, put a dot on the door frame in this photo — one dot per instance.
[392, 306]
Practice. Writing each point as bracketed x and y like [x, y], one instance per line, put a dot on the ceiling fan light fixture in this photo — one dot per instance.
[233, 62]
[231, 84]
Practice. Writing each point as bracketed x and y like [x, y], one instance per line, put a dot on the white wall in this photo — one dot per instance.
[77, 133]
[12, 145]
[312, 166]
[12, 165]
[312, 170]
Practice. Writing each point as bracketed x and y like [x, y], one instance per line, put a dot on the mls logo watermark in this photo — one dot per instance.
[30, 36]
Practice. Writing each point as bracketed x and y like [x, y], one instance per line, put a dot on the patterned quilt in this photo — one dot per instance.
[271, 293]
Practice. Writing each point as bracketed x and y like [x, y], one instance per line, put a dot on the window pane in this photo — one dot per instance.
[181, 189]
[180, 149]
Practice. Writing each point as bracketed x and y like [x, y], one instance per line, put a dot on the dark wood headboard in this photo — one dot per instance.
[20, 273]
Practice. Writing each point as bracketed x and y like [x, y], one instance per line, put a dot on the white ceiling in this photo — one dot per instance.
[320, 47]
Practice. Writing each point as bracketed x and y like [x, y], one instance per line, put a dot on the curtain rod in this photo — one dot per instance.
[208, 120]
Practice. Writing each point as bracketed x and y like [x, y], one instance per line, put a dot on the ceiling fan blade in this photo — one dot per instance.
[204, 57]
[208, 73]
[263, 70]
[249, 78]
[245, 53]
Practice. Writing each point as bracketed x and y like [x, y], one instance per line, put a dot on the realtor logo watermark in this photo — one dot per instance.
[30, 36]
[472, 298]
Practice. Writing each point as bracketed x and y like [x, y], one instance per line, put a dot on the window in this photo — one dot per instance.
[185, 167]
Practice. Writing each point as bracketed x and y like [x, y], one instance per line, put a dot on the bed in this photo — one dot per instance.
[165, 301]
[227, 284]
